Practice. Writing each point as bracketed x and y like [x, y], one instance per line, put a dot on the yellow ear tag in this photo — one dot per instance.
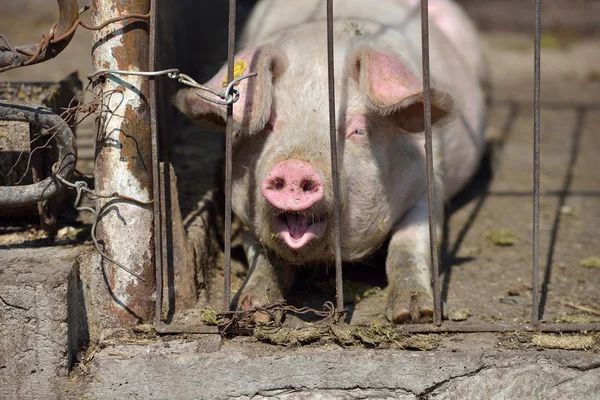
[238, 70]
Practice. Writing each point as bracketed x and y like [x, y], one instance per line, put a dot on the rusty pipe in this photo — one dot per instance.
[123, 161]
[15, 57]
[64, 140]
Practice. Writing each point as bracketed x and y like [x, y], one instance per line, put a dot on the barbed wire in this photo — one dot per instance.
[97, 27]
[83, 189]
[244, 319]
[228, 96]
[70, 112]
[49, 38]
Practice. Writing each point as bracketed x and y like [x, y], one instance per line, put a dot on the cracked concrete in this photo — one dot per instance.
[544, 380]
[245, 370]
[18, 307]
[34, 343]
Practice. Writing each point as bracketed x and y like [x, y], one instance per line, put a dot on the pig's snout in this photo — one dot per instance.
[293, 185]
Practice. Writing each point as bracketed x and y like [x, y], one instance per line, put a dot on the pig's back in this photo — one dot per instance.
[271, 16]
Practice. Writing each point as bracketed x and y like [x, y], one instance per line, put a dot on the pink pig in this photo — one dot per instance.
[282, 188]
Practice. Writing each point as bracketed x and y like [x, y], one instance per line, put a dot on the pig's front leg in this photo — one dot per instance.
[408, 270]
[266, 282]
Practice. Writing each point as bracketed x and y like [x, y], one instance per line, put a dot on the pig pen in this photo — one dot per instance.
[486, 252]
[485, 263]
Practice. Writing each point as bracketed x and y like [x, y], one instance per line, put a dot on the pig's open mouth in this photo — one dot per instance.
[298, 228]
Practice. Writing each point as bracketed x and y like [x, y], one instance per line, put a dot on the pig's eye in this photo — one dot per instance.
[360, 133]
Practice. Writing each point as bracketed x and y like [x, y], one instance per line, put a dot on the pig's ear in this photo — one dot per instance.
[391, 87]
[253, 108]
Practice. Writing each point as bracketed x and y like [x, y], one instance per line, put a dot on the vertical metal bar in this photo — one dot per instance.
[437, 301]
[123, 162]
[157, 205]
[536, 167]
[339, 288]
[229, 159]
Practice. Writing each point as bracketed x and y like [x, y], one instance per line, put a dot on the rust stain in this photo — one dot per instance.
[135, 133]
[134, 48]
[136, 146]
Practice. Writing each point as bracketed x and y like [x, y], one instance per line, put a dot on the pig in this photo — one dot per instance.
[282, 183]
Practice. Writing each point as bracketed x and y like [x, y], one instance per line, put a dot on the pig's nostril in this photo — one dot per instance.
[277, 184]
[307, 186]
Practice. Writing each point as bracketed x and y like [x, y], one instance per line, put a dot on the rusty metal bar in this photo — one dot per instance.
[535, 312]
[123, 162]
[229, 159]
[448, 327]
[157, 205]
[453, 327]
[437, 300]
[176, 329]
[19, 56]
[339, 289]
[54, 126]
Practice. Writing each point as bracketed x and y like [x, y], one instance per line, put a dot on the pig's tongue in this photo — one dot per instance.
[297, 225]
[297, 230]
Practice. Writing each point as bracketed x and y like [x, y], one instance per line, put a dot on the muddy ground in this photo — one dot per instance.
[479, 274]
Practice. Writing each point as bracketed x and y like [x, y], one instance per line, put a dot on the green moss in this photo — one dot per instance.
[564, 342]
[550, 41]
[147, 329]
[502, 237]
[286, 336]
[421, 342]
[342, 335]
[210, 317]
[591, 262]
[377, 335]
[576, 319]
[460, 314]
[385, 336]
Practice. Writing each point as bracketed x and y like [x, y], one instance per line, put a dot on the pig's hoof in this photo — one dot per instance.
[418, 309]
[260, 317]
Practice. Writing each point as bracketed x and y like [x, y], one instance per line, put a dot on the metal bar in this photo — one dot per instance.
[551, 104]
[535, 312]
[39, 160]
[123, 163]
[229, 159]
[171, 72]
[339, 289]
[448, 327]
[52, 126]
[437, 301]
[157, 205]
[175, 329]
